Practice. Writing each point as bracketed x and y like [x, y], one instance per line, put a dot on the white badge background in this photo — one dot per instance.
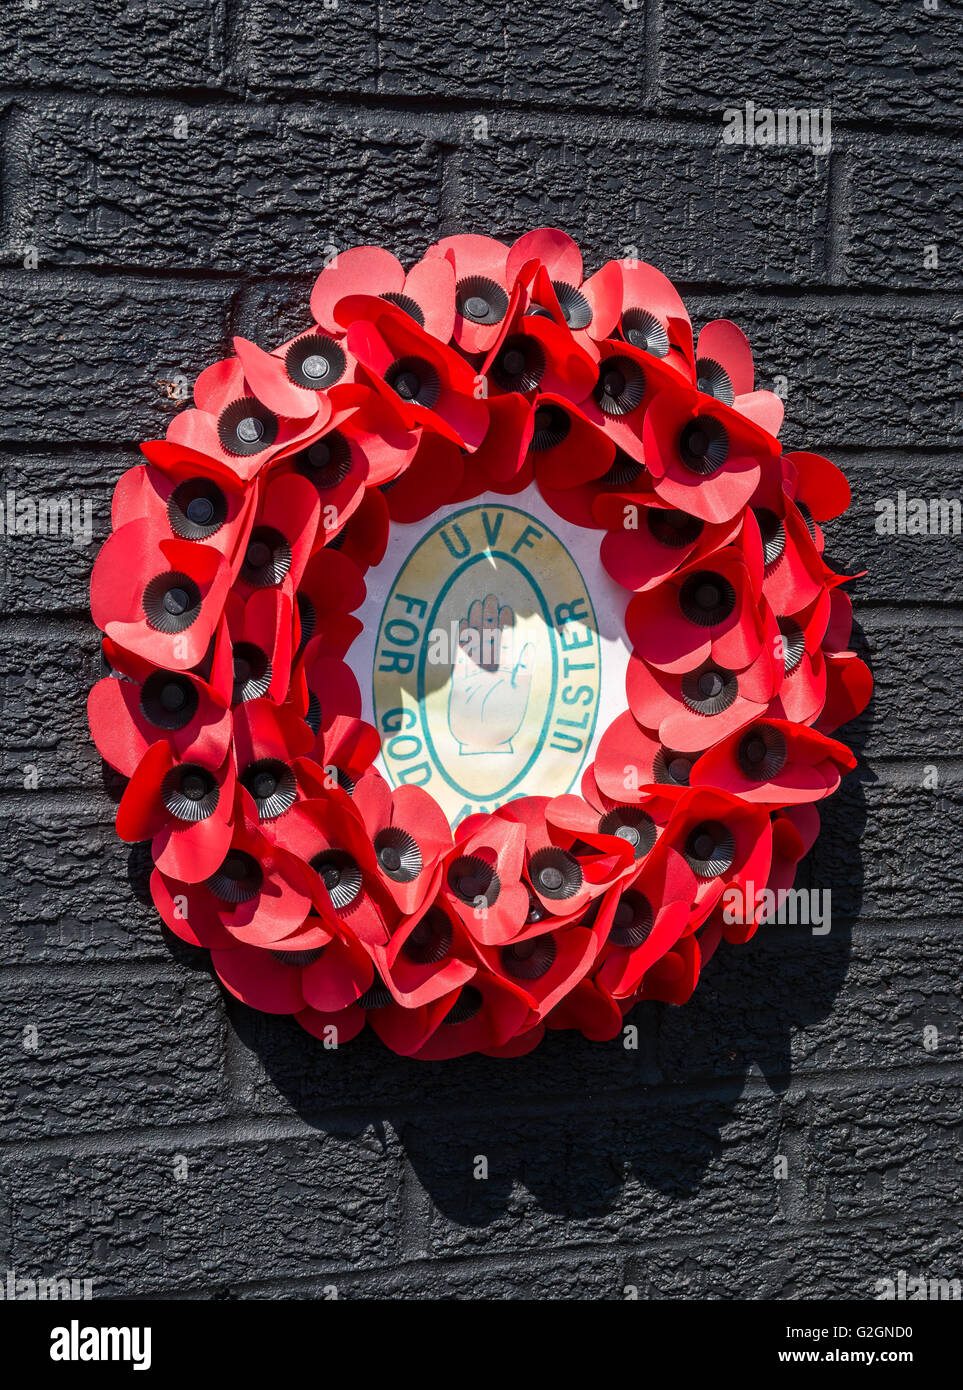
[608, 599]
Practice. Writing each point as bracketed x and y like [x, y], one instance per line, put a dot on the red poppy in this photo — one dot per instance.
[675, 975]
[589, 1010]
[329, 835]
[482, 878]
[642, 918]
[647, 541]
[589, 308]
[692, 711]
[499, 462]
[340, 974]
[817, 487]
[295, 380]
[482, 288]
[186, 496]
[577, 504]
[270, 743]
[629, 383]
[546, 960]
[795, 573]
[654, 319]
[484, 1013]
[849, 687]
[566, 448]
[331, 587]
[429, 955]
[260, 627]
[281, 539]
[535, 354]
[802, 692]
[259, 895]
[403, 1028]
[723, 839]
[276, 979]
[259, 979]
[426, 294]
[630, 760]
[708, 611]
[774, 762]
[410, 835]
[364, 444]
[231, 426]
[429, 384]
[431, 480]
[141, 704]
[723, 368]
[159, 599]
[345, 749]
[185, 809]
[794, 831]
[594, 820]
[363, 536]
[704, 458]
[324, 688]
[563, 872]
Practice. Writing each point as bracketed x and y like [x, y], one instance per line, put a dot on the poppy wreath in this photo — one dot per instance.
[226, 596]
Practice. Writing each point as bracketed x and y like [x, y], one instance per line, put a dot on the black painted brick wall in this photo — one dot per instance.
[160, 1139]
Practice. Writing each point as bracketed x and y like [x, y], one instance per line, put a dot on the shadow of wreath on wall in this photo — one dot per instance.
[577, 1123]
[583, 1129]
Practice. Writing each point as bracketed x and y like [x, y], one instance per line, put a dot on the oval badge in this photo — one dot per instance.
[487, 665]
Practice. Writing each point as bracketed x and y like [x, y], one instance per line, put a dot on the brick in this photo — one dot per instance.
[881, 1151]
[65, 893]
[679, 1163]
[49, 571]
[112, 1050]
[789, 1002]
[691, 1167]
[836, 1263]
[95, 359]
[891, 62]
[44, 722]
[903, 199]
[273, 310]
[561, 1275]
[913, 673]
[883, 847]
[925, 568]
[400, 169]
[703, 211]
[856, 372]
[101, 45]
[258, 190]
[117, 184]
[491, 53]
[262, 1208]
[6, 1226]
[308, 47]
[309, 127]
[595, 54]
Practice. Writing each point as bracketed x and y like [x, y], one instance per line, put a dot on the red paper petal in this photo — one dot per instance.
[362, 270]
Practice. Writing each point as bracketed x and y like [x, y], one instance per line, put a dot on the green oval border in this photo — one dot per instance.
[495, 797]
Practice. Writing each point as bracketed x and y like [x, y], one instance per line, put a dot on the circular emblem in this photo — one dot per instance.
[487, 667]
